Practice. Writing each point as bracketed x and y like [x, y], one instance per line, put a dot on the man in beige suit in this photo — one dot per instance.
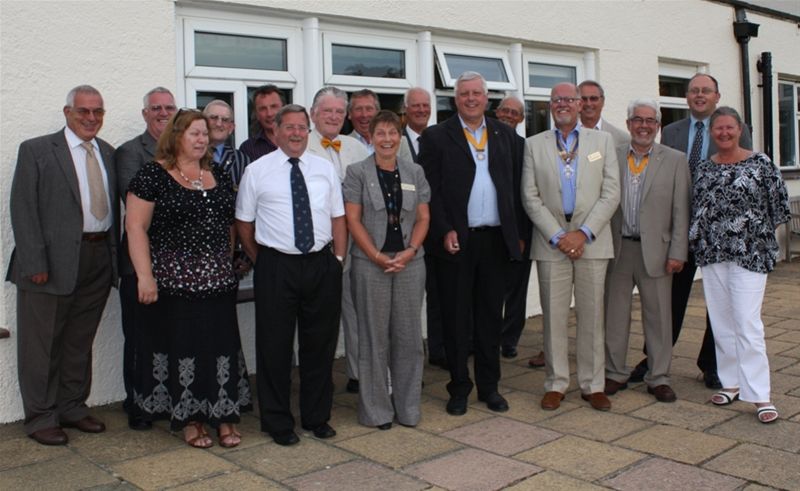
[570, 189]
[650, 244]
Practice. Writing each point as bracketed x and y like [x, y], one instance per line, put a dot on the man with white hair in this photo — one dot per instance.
[221, 126]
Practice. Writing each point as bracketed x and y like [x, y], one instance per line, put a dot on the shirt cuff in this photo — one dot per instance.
[554, 239]
[588, 233]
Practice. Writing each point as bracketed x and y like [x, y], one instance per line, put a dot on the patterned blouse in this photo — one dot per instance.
[190, 241]
[735, 211]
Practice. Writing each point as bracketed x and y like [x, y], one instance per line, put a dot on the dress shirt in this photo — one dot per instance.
[333, 156]
[370, 147]
[693, 132]
[633, 196]
[265, 196]
[482, 208]
[414, 138]
[598, 126]
[90, 222]
[569, 186]
[257, 146]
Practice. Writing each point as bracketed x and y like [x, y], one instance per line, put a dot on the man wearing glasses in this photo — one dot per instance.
[571, 241]
[221, 126]
[593, 98]
[159, 106]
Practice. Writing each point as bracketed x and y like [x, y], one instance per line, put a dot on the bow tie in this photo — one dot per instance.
[336, 144]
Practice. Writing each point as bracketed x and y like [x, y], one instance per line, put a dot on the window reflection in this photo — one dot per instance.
[236, 51]
[359, 61]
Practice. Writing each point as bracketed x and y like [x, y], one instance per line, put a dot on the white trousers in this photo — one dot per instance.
[733, 297]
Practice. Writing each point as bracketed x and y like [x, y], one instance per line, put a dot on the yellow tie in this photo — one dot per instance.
[98, 202]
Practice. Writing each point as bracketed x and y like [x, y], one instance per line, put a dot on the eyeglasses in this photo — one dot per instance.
[647, 121]
[592, 98]
[508, 110]
[215, 118]
[158, 108]
[568, 100]
[704, 91]
[296, 127]
[83, 111]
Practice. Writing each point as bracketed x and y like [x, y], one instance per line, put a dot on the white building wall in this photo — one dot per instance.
[125, 48]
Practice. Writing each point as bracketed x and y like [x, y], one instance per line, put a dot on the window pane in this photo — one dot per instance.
[672, 86]
[254, 126]
[492, 69]
[359, 61]
[537, 117]
[546, 76]
[204, 97]
[672, 114]
[229, 51]
[787, 124]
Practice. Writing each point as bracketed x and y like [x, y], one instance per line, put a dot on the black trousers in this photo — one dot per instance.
[516, 298]
[475, 278]
[302, 291]
[128, 298]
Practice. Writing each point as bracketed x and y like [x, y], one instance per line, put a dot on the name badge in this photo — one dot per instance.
[594, 156]
[407, 186]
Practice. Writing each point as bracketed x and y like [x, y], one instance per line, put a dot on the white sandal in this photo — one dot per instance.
[723, 398]
[769, 411]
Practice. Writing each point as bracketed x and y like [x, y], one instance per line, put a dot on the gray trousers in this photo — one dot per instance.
[389, 310]
[349, 322]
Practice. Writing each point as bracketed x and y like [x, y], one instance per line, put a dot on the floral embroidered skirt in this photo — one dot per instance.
[189, 364]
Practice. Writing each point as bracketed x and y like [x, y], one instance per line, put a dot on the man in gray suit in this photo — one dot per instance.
[158, 107]
[64, 215]
[691, 136]
[363, 106]
[650, 232]
[594, 99]
[570, 190]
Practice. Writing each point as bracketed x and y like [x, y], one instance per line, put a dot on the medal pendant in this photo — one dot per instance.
[568, 171]
[480, 155]
[635, 180]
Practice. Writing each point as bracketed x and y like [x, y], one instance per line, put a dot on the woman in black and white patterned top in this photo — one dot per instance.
[739, 199]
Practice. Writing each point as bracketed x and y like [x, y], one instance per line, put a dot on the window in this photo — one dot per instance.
[493, 64]
[789, 123]
[233, 51]
[364, 60]
[545, 75]
[672, 81]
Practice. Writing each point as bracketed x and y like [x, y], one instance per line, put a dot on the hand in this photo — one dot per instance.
[572, 244]
[451, 242]
[674, 265]
[522, 246]
[399, 261]
[39, 278]
[148, 291]
[241, 266]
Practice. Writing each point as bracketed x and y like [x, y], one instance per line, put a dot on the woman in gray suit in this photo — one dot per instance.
[386, 204]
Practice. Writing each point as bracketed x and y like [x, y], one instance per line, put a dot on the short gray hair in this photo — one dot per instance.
[415, 89]
[325, 91]
[470, 75]
[645, 102]
[218, 102]
[289, 109]
[83, 89]
[592, 83]
[726, 111]
[364, 93]
[155, 90]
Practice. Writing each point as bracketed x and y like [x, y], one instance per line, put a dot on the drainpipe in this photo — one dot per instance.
[764, 66]
[744, 30]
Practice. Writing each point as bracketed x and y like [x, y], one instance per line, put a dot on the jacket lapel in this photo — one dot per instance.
[64, 159]
[653, 167]
[456, 133]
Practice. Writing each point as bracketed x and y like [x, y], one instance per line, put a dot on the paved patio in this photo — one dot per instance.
[639, 444]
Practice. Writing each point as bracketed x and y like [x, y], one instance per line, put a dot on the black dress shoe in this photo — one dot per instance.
[87, 424]
[495, 402]
[637, 375]
[322, 431]
[352, 386]
[139, 424]
[457, 406]
[508, 352]
[50, 436]
[612, 386]
[285, 438]
[385, 426]
[711, 379]
[438, 361]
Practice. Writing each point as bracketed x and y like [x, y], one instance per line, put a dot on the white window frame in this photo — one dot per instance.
[292, 36]
[795, 84]
[498, 53]
[239, 91]
[574, 60]
[406, 45]
[680, 70]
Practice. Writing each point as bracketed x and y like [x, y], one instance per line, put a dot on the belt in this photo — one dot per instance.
[634, 238]
[327, 248]
[484, 228]
[568, 216]
[94, 236]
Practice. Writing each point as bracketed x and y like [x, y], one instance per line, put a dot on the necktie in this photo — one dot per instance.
[336, 144]
[301, 209]
[697, 146]
[98, 202]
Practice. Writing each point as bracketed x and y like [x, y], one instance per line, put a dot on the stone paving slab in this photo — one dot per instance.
[239, 480]
[764, 465]
[356, 476]
[436, 420]
[171, 468]
[115, 446]
[595, 425]
[782, 434]
[71, 472]
[685, 414]
[689, 447]
[278, 463]
[657, 474]
[22, 451]
[399, 446]
[553, 481]
[502, 435]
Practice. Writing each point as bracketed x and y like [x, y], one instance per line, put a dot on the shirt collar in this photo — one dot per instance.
[412, 134]
[647, 153]
[74, 140]
[464, 125]
[694, 121]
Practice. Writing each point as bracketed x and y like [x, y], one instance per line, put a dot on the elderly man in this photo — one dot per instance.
[570, 187]
[477, 224]
[650, 232]
[691, 136]
[364, 105]
[417, 104]
[298, 245]
[159, 106]
[594, 98]
[220, 117]
[328, 112]
[267, 101]
[64, 215]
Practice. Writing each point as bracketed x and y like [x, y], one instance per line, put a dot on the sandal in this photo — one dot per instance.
[201, 439]
[229, 438]
[723, 398]
[766, 414]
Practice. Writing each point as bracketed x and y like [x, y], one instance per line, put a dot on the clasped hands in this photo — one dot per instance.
[572, 244]
[394, 264]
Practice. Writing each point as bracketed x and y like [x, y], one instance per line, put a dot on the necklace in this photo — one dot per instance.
[567, 157]
[196, 184]
[480, 147]
[636, 169]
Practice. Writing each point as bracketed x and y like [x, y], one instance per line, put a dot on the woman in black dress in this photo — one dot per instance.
[179, 221]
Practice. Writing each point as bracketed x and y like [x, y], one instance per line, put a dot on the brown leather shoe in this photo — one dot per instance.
[87, 424]
[663, 393]
[552, 400]
[50, 436]
[537, 361]
[612, 386]
[598, 400]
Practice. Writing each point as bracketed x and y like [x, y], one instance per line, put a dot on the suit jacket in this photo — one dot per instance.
[406, 148]
[663, 209]
[450, 169]
[619, 136]
[46, 214]
[361, 186]
[350, 152]
[597, 194]
[676, 135]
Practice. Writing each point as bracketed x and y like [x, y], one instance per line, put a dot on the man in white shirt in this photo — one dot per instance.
[364, 105]
[593, 98]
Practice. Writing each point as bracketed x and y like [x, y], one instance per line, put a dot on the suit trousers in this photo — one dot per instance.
[349, 321]
[54, 349]
[516, 299]
[655, 293]
[128, 298]
[433, 310]
[734, 296]
[303, 291]
[389, 310]
[476, 277]
[556, 281]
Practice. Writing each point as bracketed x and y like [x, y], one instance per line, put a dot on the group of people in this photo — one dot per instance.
[354, 231]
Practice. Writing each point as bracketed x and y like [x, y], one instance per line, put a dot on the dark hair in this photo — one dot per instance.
[168, 144]
[288, 109]
[725, 111]
[716, 84]
[385, 116]
[266, 90]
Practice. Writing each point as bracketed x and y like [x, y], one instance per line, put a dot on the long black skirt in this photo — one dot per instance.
[189, 364]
